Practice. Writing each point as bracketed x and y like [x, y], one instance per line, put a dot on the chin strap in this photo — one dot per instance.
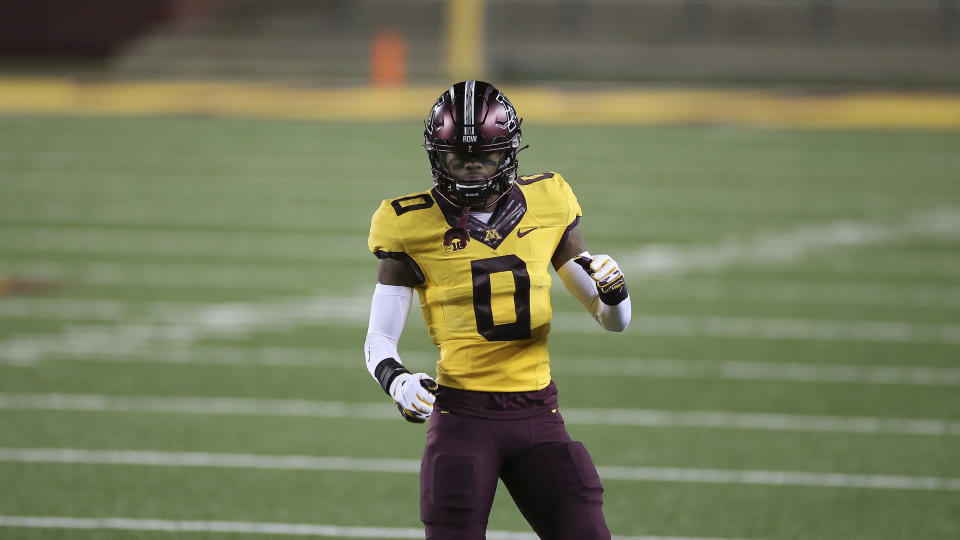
[457, 237]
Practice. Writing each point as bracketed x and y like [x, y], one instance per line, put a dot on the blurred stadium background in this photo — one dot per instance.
[185, 193]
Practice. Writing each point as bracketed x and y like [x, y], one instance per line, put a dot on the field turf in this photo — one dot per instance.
[185, 299]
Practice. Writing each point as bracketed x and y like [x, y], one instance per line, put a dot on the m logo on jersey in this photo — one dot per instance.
[492, 235]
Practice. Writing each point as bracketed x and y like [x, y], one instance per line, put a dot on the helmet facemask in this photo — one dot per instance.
[475, 192]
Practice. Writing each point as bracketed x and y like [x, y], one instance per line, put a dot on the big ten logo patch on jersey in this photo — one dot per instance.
[491, 235]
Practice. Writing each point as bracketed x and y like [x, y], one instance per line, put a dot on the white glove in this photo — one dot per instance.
[413, 394]
[606, 273]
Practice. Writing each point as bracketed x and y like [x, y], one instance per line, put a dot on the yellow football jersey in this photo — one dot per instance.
[487, 303]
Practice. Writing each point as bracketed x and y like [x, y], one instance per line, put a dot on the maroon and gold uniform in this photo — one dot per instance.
[487, 303]
[484, 291]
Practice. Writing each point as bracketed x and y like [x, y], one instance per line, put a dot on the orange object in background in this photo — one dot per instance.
[388, 59]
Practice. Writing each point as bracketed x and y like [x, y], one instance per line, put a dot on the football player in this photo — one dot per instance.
[475, 249]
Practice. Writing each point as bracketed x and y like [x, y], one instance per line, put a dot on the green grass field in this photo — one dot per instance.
[792, 370]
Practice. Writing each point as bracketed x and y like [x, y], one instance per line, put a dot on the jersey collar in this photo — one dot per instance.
[504, 220]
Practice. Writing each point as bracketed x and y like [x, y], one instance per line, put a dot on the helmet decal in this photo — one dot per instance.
[469, 135]
[511, 123]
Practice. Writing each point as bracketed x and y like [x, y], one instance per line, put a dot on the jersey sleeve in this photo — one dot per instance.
[572, 219]
[573, 206]
[385, 231]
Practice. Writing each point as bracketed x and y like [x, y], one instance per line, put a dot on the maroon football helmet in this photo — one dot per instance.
[473, 117]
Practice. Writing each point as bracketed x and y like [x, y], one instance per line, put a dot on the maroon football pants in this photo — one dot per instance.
[550, 477]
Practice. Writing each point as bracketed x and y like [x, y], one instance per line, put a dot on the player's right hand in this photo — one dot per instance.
[414, 395]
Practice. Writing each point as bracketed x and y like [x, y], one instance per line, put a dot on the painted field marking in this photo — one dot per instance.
[267, 528]
[243, 318]
[50, 190]
[190, 321]
[278, 218]
[766, 247]
[258, 276]
[763, 185]
[259, 245]
[22, 350]
[745, 370]
[762, 421]
[192, 214]
[781, 247]
[895, 263]
[379, 411]
[218, 276]
[773, 328]
[852, 293]
[298, 190]
[412, 466]
[759, 168]
[658, 200]
[176, 322]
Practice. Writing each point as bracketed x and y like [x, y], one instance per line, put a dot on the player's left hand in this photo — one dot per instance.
[606, 273]
[414, 395]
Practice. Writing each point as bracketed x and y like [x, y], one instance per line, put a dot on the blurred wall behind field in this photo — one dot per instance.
[846, 42]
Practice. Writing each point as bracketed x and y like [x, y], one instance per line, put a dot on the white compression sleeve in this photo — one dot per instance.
[584, 288]
[388, 314]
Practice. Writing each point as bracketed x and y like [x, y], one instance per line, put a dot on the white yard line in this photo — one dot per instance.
[277, 216]
[776, 247]
[254, 276]
[265, 528]
[894, 264]
[160, 156]
[772, 328]
[771, 248]
[753, 163]
[781, 247]
[174, 322]
[744, 370]
[379, 411]
[812, 292]
[190, 321]
[325, 358]
[218, 276]
[760, 192]
[412, 466]
[755, 166]
[165, 242]
[660, 200]
[779, 478]
[186, 323]
[762, 421]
